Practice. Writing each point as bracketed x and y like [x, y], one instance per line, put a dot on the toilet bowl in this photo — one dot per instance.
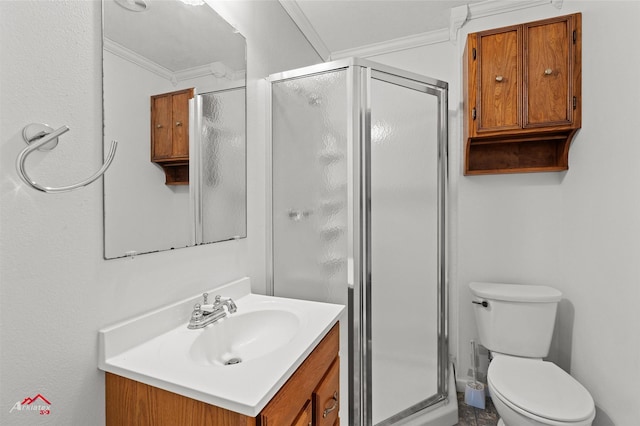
[533, 392]
[515, 322]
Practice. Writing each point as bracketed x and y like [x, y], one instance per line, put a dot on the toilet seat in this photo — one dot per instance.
[539, 389]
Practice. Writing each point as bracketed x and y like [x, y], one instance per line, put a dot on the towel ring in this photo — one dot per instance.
[42, 137]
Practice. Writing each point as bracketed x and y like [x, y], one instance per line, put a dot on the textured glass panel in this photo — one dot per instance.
[224, 202]
[310, 187]
[404, 247]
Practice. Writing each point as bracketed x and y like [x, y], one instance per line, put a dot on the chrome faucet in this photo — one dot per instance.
[205, 313]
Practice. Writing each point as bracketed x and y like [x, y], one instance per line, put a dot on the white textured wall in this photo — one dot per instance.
[56, 291]
[577, 231]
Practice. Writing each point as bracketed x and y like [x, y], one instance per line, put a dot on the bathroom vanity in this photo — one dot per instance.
[309, 397]
[273, 362]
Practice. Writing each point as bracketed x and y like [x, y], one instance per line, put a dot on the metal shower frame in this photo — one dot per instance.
[360, 72]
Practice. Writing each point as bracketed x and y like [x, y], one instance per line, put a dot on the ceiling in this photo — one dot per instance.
[174, 35]
[337, 28]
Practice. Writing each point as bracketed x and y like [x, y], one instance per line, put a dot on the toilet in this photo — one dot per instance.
[515, 322]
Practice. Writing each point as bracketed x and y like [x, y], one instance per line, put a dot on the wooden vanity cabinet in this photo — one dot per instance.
[522, 96]
[310, 397]
[170, 134]
[315, 381]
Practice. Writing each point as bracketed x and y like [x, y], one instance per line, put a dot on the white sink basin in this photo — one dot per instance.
[242, 337]
[269, 336]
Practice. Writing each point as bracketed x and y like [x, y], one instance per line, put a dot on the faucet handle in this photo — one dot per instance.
[196, 315]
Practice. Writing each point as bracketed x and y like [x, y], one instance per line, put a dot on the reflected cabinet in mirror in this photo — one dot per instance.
[174, 97]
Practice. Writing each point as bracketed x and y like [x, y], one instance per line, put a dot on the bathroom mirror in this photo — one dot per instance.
[153, 48]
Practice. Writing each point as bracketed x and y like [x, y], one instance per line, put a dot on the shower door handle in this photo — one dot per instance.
[297, 215]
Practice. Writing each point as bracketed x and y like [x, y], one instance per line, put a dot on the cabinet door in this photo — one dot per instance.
[180, 123]
[499, 81]
[286, 405]
[548, 88]
[326, 397]
[161, 129]
[306, 416]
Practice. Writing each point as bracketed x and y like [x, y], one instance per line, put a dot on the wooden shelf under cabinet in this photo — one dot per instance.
[522, 96]
[310, 397]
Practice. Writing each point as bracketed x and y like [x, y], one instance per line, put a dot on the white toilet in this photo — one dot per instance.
[515, 322]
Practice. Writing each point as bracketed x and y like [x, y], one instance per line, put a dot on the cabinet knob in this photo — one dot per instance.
[158, 126]
[499, 78]
[548, 71]
[178, 123]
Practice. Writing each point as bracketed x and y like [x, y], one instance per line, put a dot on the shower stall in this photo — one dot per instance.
[358, 162]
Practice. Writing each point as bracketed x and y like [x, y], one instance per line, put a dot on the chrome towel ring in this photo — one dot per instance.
[43, 137]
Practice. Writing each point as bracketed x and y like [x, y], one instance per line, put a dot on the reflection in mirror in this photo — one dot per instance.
[190, 188]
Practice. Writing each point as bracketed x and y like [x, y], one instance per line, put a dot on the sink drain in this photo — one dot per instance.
[233, 361]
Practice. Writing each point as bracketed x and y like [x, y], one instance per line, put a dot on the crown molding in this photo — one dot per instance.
[462, 14]
[402, 43]
[131, 56]
[496, 7]
[310, 33]
[458, 17]
[217, 69]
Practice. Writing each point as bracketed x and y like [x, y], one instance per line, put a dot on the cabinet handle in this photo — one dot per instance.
[499, 78]
[326, 411]
[159, 126]
[178, 123]
[548, 71]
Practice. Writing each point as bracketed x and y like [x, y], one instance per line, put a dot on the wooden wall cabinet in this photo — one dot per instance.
[309, 398]
[522, 96]
[170, 134]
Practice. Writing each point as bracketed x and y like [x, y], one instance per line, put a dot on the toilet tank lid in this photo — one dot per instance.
[515, 292]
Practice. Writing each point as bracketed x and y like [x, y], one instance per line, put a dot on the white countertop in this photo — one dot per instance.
[155, 349]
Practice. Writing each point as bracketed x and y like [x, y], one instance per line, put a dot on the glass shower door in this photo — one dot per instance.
[217, 169]
[310, 187]
[223, 175]
[404, 249]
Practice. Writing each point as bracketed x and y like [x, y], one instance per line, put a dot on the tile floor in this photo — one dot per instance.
[471, 416]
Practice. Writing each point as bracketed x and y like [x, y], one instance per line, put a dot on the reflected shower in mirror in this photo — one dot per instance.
[174, 97]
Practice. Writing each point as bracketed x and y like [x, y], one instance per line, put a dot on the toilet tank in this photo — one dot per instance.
[515, 319]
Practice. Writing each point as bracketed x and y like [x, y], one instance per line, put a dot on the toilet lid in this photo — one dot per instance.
[541, 388]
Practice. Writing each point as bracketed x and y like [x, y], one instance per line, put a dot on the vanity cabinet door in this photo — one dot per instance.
[306, 416]
[326, 397]
[287, 405]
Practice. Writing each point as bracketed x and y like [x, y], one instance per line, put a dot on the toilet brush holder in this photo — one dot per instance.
[474, 392]
[474, 395]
